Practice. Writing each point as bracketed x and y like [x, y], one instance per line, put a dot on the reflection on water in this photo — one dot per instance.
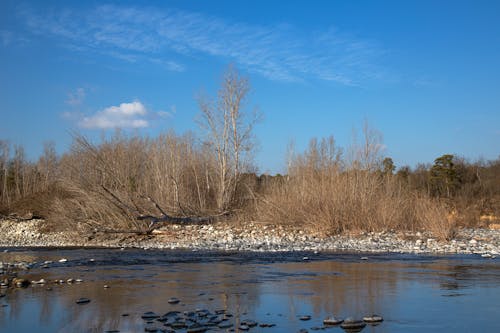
[413, 294]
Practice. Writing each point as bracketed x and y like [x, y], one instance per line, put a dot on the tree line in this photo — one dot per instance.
[118, 182]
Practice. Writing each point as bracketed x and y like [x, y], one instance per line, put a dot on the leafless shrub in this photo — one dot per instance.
[434, 216]
[325, 193]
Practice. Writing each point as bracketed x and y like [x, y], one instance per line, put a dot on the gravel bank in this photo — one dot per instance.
[255, 237]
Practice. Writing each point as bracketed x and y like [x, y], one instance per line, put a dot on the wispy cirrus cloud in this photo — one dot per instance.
[8, 38]
[163, 36]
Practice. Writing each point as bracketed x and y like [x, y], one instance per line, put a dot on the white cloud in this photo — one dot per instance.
[278, 52]
[126, 115]
[75, 98]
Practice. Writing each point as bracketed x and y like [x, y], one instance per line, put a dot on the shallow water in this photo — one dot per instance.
[412, 293]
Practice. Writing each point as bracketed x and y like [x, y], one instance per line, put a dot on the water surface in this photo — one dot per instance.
[412, 293]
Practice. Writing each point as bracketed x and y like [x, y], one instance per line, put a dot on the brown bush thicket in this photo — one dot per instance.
[470, 189]
[114, 182]
[27, 187]
[323, 191]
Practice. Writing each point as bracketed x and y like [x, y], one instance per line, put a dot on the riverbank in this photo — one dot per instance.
[254, 237]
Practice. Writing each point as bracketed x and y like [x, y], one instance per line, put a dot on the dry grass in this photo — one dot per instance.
[321, 192]
[434, 216]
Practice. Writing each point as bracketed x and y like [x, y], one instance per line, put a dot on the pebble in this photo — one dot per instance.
[255, 237]
[353, 324]
[332, 321]
[20, 283]
[304, 318]
[63, 260]
[173, 300]
[373, 319]
[225, 325]
[151, 328]
[82, 300]
[149, 315]
[249, 323]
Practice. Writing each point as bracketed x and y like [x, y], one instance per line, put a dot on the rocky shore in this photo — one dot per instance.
[255, 237]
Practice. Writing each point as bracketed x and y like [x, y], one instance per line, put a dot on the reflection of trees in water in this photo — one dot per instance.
[343, 288]
[212, 286]
[457, 277]
[326, 287]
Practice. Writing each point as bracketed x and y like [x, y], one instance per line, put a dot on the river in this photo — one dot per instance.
[459, 293]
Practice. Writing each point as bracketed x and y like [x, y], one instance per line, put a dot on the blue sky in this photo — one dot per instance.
[424, 73]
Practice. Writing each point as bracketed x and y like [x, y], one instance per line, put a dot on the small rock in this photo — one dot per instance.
[21, 283]
[63, 260]
[353, 324]
[106, 286]
[243, 327]
[373, 319]
[306, 317]
[151, 328]
[332, 321]
[249, 323]
[82, 300]
[364, 258]
[225, 325]
[173, 300]
[149, 315]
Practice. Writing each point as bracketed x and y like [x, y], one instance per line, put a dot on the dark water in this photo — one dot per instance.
[412, 293]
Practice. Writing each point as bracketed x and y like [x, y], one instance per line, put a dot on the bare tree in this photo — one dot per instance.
[229, 132]
[367, 155]
[47, 165]
[4, 165]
